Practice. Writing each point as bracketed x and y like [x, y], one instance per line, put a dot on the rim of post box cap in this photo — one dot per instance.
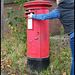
[37, 3]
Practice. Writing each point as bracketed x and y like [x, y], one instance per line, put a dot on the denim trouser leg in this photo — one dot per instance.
[72, 54]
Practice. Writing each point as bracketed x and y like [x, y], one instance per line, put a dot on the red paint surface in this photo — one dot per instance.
[38, 37]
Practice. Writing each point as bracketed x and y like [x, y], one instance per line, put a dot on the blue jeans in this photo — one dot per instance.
[72, 54]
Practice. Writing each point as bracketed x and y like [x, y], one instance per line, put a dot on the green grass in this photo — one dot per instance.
[62, 60]
[15, 51]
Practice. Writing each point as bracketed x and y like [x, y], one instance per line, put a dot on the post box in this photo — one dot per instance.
[37, 36]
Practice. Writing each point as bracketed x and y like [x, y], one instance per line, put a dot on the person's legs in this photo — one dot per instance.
[72, 54]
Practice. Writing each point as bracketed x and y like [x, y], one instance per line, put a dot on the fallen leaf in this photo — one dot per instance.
[7, 65]
[4, 56]
[54, 56]
[2, 70]
[2, 49]
[25, 74]
[8, 73]
[2, 60]
[2, 66]
[64, 73]
[52, 67]
[13, 74]
[8, 62]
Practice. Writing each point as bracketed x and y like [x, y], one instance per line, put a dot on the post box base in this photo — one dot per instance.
[38, 64]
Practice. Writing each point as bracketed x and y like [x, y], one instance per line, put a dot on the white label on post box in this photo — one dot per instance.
[29, 23]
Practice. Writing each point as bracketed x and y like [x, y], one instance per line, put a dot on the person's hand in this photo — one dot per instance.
[30, 15]
[58, 1]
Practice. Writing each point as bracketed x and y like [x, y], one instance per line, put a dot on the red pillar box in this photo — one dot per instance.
[37, 36]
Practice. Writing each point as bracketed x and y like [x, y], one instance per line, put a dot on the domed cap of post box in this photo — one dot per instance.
[34, 3]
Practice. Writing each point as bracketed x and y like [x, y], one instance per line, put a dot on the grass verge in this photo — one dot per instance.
[14, 57]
